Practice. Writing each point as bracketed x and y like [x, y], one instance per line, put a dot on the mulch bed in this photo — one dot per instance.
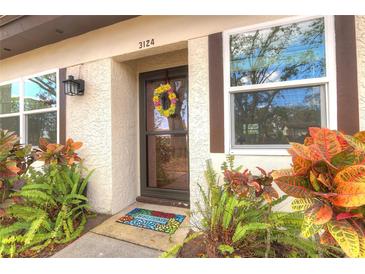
[200, 246]
[196, 248]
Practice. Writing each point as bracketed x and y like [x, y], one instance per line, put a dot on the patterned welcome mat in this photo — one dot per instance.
[153, 220]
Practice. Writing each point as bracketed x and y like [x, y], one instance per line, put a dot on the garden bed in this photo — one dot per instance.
[197, 248]
[52, 249]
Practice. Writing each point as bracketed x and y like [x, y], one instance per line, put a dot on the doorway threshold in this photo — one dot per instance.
[165, 202]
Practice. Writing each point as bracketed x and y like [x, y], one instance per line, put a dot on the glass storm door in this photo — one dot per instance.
[164, 140]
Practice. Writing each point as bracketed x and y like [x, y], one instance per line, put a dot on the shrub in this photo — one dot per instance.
[57, 153]
[51, 208]
[238, 219]
[327, 180]
[15, 160]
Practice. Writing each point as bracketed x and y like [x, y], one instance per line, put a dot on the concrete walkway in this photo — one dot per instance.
[105, 238]
[92, 245]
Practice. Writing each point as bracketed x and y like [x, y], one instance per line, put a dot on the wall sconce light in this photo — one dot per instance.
[74, 87]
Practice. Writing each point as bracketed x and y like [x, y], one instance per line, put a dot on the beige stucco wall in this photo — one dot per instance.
[120, 39]
[124, 127]
[199, 141]
[360, 47]
[88, 119]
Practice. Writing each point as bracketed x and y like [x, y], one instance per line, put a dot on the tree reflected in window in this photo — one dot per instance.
[282, 53]
[277, 116]
[40, 92]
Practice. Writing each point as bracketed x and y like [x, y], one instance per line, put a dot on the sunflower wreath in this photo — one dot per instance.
[162, 93]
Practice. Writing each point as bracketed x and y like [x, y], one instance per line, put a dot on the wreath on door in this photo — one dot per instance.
[164, 100]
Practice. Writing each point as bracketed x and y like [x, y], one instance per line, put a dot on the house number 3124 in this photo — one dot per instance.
[146, 43]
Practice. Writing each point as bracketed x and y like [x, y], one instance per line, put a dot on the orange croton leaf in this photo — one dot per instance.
[301, 165]
[354, 142]
[13, 169]
[51, 147]
[69, 141]
[360, 135]
[310, 153]
[308, 141]
[70, 161]
[296, 186]
[76, 145]
[43, 143]
[327, 142]
[55, 148]
[322, 215]
[350, 187]
[313, 131]
[322, 178]
[341, 139]
[281, 173]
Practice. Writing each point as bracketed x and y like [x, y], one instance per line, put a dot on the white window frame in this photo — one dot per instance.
[22, 113]
[328, 99]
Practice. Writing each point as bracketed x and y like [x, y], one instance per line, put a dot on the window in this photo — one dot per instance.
[277, 82]
[29, 107]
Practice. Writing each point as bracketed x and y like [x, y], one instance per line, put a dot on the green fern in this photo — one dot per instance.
[53, 210]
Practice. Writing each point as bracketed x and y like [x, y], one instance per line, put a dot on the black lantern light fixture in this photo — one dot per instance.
[74, 87]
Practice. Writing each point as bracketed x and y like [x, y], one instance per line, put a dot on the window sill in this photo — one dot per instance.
[259, 151]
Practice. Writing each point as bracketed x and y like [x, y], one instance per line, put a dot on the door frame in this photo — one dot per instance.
[171, 194]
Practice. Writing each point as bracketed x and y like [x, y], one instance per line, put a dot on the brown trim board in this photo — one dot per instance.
[346, 70]
[62, 104]
[216, 93]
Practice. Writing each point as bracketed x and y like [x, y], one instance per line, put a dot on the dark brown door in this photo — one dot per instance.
[164, 140]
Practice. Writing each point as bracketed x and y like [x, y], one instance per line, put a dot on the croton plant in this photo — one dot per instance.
[57, 153]
[327, 180]
[14, 160]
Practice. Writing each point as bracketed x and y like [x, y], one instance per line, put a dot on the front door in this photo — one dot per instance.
[164, 140]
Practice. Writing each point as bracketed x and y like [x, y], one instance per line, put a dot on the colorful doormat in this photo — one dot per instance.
[154, 220]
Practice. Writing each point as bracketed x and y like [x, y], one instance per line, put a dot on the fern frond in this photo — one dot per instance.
[13, 229]
[243, 229]
[37, 187]
[34, 228]
[84, 183]
[36, 196]
[75, 197]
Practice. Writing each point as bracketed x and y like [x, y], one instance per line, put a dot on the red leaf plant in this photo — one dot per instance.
[14, 161]
[244, 183]
[327, 180]
[59, 154]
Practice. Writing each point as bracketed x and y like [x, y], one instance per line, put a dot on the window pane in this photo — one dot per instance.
[282, 53]
[276, 116]
[40, 92]
[167, 161]
[10, 123]
[41, 125]
[9, 98]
